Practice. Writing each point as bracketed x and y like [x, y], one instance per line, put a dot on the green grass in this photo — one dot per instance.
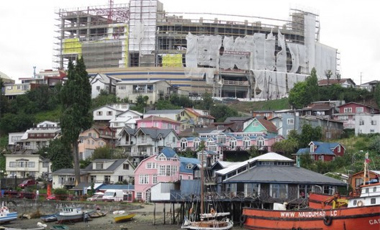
[52, 115]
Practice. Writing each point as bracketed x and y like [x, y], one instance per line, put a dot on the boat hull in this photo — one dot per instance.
[124, 217]
[367, 218]
[70, 218]
[208, 225]
[8, 217]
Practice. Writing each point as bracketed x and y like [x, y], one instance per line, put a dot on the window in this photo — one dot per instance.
[149, 165]
[189, 166]
[221, 138]
[196, 143]
[183, 144]
[290, 121]
[98, 88]
[99, 166]
[168, 170]
[246, 143]
[99, 113]
[373, 200]
[279, 191]
[233, 143]
[374, 189]
[154, 179]
[107, 179]
[348, 110]
[122, 87]
[361, 122]
[162, 170]
[120, 179]
[109, 113]
[31, 164]
[373, 122]
[359, 109]
[144, 179]
[251, 189]
[138, 195]
[260, 142]
[45, 164]
[12, 164]
[126, 166]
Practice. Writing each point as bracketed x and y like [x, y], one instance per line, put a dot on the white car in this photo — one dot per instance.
[96, 197]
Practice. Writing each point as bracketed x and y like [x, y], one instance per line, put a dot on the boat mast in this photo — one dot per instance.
[365, 168]
[202, 182]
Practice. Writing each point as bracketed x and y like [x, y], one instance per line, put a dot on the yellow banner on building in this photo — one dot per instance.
[72, 46]
[172, 60]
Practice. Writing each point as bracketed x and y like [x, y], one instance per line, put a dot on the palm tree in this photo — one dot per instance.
[328, 74]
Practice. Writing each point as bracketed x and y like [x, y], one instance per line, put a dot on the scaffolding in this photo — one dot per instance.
[99, 34]
[235, 55]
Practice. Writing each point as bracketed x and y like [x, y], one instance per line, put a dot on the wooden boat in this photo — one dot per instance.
[96, 214]
[125, 217]
[208, 221]
[6, 215]
[70, 214]
[361, 212]
[49, 218]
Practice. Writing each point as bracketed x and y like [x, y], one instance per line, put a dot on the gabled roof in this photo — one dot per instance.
[155, 133]
[355, 103]
[269, 126]
[322, 148]
[233, 119]
[156, 118]
[186, 161]
[165, 111]
[284, 175]
[116, 163]
[193, 111]
[168, 152]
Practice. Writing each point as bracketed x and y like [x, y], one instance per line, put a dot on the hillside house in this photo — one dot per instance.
[323, 151]
[348, 111]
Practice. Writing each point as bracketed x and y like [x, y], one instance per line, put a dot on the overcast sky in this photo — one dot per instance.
[352, 26]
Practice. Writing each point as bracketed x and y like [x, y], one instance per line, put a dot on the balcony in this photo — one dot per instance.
[236, 83]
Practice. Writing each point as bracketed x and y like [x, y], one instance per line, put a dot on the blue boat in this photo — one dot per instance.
[49, 218]
[6, 215]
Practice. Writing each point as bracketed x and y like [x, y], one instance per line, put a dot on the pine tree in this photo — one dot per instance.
[76, 102]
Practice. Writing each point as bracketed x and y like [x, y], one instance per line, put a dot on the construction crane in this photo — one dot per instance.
[110, 3]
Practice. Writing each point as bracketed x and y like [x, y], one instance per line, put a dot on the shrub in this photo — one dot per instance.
[61, 193]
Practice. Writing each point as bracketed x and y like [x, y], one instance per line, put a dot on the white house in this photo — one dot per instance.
[38, 137]
[367, 123]
[103, 82]
[109, 112]
[127, 118]
[110, 171]
[25, 165]
[173, 114]
[132, 89]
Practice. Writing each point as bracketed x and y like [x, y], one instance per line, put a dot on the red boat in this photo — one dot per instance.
[334, 213]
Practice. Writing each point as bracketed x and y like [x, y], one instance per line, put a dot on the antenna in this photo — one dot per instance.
[110, 3]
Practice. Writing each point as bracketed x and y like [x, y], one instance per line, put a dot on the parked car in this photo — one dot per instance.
[96, 197]
[27, 183]
[51, 197]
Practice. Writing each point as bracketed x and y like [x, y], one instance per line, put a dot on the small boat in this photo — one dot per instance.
[49, 218]
[96, 214]
[351, 213]
[70, 214]
[125, 217]
[6, 215]
[36, 228]
[64, 227]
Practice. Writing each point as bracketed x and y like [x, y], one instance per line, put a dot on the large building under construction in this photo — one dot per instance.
[226, 55]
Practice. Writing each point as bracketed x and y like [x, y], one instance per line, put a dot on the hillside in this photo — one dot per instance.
[248, 107]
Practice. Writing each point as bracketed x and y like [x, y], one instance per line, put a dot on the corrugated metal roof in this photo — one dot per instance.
[271, 156]
[283, 174]
[185, 161]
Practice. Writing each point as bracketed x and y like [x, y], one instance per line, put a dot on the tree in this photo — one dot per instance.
[102, 153]
[338, 76]
[60, 155]
[309, 134]
[376, 94]
[312, 86]
[103, 98]
[286, 147]
[222, 112]
[298, 96]
[76, 103]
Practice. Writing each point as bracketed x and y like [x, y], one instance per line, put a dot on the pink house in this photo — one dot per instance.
[167, 166]
[159, 122]
[347, 113]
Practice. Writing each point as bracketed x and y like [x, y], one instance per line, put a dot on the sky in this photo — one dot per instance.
[353, 27]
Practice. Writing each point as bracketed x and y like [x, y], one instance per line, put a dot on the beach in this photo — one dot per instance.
[144, 219]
